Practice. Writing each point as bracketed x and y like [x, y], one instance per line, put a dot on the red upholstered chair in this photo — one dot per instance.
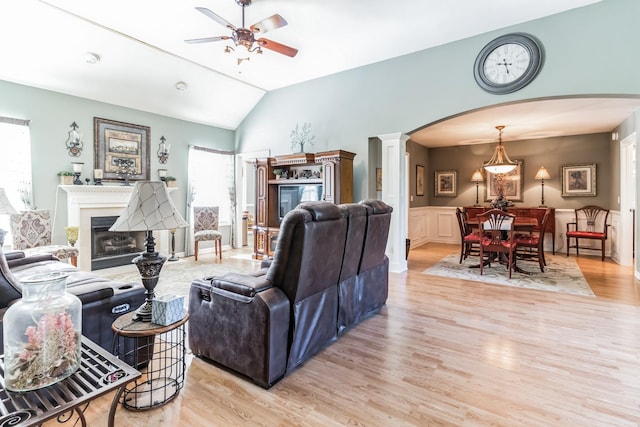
[496, 227]
[469, 240]
[530, 247]
[590, 223]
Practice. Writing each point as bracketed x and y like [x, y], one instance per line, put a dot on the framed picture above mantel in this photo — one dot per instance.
[121, 150]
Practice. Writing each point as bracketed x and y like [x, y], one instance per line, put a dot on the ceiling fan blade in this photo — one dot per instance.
[207, 39]
[268, 24]
[277, 47]
[220, 20]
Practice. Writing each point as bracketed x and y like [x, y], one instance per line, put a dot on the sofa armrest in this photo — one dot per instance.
[31, 259]
[241, 284]
[14, 255]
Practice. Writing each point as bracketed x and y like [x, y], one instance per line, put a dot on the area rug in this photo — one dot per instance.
[561, 274]
[176, 277]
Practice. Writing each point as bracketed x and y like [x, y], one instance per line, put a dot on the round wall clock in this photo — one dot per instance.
[508, 63]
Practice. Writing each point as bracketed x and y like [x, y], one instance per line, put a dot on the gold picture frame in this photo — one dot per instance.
[446, 183]
[579, 180]
[513, 184]
[121, 150]
[419, 180]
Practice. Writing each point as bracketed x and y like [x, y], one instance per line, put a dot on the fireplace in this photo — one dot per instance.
[112, 248]
[88, 201]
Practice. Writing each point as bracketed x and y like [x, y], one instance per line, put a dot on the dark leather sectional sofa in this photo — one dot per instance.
[103, 300]
[329, 273]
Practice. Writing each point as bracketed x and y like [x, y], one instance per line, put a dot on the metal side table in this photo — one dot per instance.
[99, 373]
[159, 352]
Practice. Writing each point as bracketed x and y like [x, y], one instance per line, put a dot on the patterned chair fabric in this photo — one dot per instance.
[31, 231]
[205, 227]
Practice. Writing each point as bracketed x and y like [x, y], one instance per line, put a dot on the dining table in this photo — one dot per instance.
[521, 224]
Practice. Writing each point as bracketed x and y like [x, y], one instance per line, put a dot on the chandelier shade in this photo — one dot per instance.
[500, 163]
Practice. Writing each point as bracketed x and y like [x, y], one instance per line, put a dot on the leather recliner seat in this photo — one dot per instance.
[264, 325]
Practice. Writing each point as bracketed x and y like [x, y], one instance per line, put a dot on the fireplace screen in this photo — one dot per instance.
[110, 248]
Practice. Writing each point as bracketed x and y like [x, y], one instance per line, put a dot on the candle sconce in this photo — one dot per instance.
[162, 174]
[74, 141]
[97, 176]
[163, 150]
[77, 171]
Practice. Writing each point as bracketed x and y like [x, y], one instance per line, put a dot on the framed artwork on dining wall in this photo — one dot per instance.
[579, 180]
[513, 183]
[446, 183]
[121, 150]
[419, 180]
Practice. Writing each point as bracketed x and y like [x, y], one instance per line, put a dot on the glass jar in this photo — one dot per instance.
[42, 333]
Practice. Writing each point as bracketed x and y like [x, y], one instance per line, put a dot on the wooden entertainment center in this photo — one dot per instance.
[332, 171]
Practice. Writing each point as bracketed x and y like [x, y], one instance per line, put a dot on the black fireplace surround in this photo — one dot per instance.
[113, 248]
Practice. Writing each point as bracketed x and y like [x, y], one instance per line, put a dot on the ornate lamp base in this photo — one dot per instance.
[149, 264]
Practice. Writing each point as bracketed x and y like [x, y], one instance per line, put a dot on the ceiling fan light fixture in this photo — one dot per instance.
[500, 162]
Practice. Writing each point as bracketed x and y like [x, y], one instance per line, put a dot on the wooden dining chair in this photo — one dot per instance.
[530, 246]
[496, 227]
[469, 239]
[590, 223]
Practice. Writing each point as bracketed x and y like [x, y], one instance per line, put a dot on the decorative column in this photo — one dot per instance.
[395, 193]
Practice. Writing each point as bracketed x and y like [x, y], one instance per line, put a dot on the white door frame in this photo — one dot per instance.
[627, 199]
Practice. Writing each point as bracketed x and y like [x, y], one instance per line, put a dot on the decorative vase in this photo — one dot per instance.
[42, 333]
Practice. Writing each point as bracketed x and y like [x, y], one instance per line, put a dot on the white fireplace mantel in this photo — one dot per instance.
[86, 201]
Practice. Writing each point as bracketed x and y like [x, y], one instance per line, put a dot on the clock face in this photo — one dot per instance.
[508, 63]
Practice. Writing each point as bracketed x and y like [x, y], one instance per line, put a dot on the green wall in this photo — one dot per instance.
[403, 94]
[51, 113]
[552, 153]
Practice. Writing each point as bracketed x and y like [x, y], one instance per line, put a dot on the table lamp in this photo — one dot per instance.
[542, 174]
[149, 208]
[477, 178]
[6, 208]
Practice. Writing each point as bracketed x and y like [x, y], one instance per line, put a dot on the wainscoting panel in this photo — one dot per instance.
[438, 224]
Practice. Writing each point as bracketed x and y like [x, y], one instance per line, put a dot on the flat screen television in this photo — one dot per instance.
[289, 196]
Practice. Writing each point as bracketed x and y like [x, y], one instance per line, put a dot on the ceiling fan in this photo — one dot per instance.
[246, 37]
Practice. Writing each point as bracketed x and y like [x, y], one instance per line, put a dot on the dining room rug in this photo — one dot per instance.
[561, 274]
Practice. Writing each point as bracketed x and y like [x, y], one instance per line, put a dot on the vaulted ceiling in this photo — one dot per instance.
[143, 55]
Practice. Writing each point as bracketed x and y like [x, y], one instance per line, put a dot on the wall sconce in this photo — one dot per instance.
[163, 151]
[541, 175]
[77, 171]
[162, 173]
[74, 141]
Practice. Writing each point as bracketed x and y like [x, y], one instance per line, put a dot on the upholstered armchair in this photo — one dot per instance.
[31, 233]
[590, 223]
[205, 228]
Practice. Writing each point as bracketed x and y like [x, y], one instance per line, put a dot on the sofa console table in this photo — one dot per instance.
[537, 213]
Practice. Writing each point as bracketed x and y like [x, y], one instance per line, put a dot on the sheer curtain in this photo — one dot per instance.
[15, 167]
[211, 183]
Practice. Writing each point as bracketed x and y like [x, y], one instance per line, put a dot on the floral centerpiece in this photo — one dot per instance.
[501, 202]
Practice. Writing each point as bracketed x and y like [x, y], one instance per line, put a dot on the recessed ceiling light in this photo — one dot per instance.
[91, 58]
[181, 86]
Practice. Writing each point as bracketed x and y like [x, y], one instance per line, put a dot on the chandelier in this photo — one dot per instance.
[500, 163]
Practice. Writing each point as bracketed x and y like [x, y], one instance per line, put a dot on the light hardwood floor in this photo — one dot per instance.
[444, 352]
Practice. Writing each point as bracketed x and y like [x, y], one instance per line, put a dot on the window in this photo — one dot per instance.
[15, 166]
[211, 178]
